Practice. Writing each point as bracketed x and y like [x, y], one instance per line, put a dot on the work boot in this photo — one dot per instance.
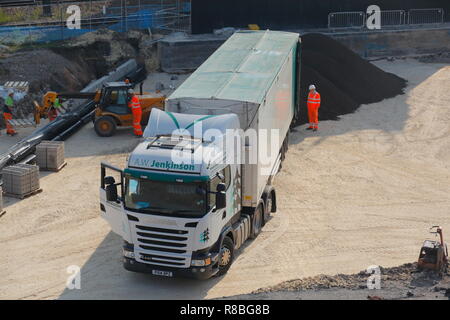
[315, 129]
[309, 128]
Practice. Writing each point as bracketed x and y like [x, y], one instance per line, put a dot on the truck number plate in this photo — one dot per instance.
[162, 273]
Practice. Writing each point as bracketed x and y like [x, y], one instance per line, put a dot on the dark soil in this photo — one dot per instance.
[91, 57]
[344, 79]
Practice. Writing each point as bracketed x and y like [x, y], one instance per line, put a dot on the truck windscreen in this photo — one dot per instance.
[165, 198]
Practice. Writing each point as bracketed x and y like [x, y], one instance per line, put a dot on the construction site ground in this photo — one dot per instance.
[362, 191]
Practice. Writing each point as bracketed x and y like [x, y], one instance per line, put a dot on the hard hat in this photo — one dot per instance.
[130, 91]
[312, 87]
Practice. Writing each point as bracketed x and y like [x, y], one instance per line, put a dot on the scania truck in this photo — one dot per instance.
[186, 200]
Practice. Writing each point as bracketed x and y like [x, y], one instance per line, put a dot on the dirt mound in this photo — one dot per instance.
[111, 47]
[44, 69]
[406, 275]
[116, 47]
[343, 78]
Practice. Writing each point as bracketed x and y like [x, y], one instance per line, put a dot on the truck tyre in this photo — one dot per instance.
[226, 256]
[105, 126]
[268, 207]
[257, 221]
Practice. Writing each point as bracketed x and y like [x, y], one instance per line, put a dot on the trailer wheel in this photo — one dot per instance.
[257, 221]
[105, 126]
[226, 256]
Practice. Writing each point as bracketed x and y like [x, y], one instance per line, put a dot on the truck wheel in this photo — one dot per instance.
[257, 221]
[105, 126]
[268, 207]
[226, 256]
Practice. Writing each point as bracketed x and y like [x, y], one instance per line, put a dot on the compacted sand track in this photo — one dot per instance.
[363, 191]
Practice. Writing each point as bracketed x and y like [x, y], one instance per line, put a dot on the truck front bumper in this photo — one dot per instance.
[200, 273]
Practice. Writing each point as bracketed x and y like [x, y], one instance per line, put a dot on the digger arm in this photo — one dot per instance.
[50, 97]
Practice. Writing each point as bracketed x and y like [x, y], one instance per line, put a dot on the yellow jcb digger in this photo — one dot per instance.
[111, 110]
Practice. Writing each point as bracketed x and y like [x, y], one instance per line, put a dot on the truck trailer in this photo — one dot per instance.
[200, 184]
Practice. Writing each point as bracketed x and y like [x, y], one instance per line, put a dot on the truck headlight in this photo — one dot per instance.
[128, 254]
[201, 262]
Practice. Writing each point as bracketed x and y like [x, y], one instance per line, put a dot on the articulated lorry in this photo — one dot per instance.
[200, 184]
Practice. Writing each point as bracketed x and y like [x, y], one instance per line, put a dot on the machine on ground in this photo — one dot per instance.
[112, 109]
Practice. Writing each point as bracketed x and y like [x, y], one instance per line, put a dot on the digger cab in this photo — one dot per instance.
[112, 109]
[114, 98]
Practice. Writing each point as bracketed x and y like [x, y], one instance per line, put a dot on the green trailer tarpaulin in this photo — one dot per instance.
[242, 69]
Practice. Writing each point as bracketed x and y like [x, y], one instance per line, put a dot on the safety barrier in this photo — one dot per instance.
[426, 16]
[389, 18]
[392, 17]
[356, 19]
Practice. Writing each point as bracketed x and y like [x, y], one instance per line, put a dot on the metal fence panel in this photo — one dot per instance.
[425, 16]
[393, 17]
[354, 19]
[389, 18]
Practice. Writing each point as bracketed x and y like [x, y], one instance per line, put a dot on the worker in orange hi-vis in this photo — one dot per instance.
[313, 108]
[7, 113]
[135, 107]
[52, 114]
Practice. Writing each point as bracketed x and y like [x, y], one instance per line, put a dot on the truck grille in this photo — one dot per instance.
[160, 246]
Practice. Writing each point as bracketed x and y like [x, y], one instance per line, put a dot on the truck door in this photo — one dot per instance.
[111, 206]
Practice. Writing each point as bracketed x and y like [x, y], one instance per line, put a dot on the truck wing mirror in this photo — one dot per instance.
[221, 200]
[111, 193]
[111, 189]
[109, 180]
[221, 187]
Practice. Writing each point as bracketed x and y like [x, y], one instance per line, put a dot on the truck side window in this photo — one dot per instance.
[212, 188]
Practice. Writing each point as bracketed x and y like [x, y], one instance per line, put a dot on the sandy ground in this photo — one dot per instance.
[363, 191]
